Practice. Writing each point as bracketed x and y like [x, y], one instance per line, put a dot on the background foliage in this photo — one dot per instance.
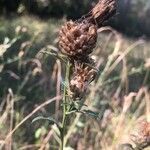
[132, 18]
[29, 78]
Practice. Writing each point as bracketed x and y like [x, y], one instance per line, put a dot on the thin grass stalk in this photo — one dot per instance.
[27, 117]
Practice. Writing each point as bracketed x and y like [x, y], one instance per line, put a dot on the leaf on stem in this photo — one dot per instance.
[91, 113]
[55, 54]
[49, 119]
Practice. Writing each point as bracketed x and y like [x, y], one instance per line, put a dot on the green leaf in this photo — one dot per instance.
[50, 119]
[91, 113]
[40, 131]
[54, 52]
[74, 106]
[64, 84]
[80, 124]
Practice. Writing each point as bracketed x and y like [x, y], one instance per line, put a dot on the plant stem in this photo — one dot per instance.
[65, 99]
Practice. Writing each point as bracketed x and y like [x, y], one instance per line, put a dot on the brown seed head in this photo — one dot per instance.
[103, 10]
[77, 39]
[141, 135]
[82, 77]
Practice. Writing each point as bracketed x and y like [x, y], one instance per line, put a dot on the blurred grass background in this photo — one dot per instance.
[28, 78]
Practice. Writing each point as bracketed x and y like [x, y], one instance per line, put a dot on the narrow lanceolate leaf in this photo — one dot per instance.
[54, 53]
[49, 119]
[91, 113]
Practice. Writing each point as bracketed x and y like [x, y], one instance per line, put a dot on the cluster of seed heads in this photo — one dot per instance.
[77, 39]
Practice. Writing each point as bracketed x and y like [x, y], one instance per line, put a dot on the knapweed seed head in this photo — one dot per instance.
[141, 135]
[77, 39]
[82, 77]
[103, 10]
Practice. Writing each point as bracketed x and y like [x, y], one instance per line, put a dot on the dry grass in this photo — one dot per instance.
[120, 94]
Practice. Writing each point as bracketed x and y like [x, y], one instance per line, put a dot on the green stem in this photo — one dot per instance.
[65, 99]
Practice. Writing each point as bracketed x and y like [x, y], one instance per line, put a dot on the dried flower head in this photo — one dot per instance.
[103, 10]
[82, 77]
[141, 135]
[77, 39]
